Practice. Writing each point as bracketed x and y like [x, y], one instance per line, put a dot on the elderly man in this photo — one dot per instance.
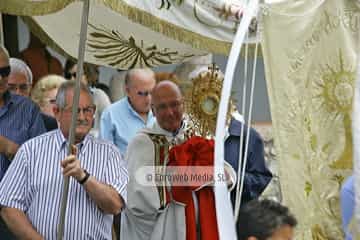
[90, 77]
[123, 119]
[20, 83]
[20, 78]
[20, 120]
[148, 215]
[30, 193]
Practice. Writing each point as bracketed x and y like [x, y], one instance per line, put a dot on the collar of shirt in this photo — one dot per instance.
[180, 128]
[237, 120]
[132, 111]
[173, 137]
[61, 142]
[238, 116]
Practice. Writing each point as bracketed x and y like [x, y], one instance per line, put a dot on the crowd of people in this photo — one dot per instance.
[116, 145]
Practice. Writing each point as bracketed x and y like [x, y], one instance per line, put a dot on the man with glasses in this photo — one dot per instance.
[20, 83]
[123, 119]
[20, 120]
[150, 213]
[20, 78]
[31, 191]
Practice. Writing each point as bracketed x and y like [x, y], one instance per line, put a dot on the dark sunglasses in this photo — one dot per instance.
[4, 71]
[69, 75]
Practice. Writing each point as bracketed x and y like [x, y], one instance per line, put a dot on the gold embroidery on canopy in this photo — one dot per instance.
[335, 94]
[113, 48]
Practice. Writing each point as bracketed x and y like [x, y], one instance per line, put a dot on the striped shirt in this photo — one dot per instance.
[34, 183]
[20, 120]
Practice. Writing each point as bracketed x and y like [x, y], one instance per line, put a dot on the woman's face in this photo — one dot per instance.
[49, 102]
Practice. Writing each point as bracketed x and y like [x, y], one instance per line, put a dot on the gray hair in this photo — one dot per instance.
[4, 52]
[131, 73]
[64, 87]
[19, 66]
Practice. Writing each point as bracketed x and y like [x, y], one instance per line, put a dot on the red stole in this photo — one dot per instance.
[196, 151]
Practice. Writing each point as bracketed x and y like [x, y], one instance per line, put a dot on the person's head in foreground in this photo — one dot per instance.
[167, 105]
[265, 220]
[63, 110]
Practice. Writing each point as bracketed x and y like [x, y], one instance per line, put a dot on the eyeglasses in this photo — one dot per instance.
[4, 71]
[87, 111]
[69, 75]
[143, 93]
[22, 87]
[175, 105]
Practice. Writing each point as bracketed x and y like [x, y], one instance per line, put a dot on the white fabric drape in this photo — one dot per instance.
[310, 56]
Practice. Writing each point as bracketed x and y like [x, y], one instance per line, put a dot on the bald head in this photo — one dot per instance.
[139, 83]
[167, 104]
[165, 88]
[139, 74]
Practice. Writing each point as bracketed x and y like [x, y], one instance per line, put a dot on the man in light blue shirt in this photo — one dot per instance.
[123, 119]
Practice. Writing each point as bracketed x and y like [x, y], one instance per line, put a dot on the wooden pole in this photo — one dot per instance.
[2, 42]
[81, 55]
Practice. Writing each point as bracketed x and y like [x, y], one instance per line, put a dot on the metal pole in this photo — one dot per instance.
[2, 42]
[81, 54]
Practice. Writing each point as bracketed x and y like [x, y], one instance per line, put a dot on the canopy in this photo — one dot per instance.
[132, 33]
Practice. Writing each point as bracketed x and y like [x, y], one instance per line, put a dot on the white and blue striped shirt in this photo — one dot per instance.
[34, 183]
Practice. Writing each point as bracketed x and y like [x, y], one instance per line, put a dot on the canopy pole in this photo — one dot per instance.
[2, 42]
[354, 224]
[239, 190]
[224, 216]
[71, 140]
[243, 111]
